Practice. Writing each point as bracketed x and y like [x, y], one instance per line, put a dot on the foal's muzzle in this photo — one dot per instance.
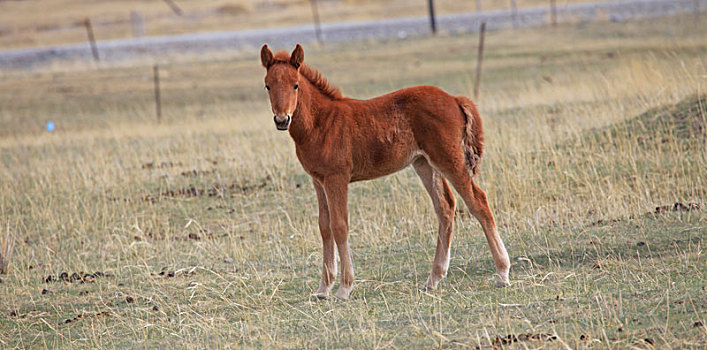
[282, 124]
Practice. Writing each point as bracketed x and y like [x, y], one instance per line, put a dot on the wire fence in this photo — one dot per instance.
[158, 48]
[168, 88]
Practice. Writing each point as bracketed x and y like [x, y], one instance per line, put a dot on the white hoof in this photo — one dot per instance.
[430, 285]
[323, 291]
[343, 293]
[502, 280]
[502, 284]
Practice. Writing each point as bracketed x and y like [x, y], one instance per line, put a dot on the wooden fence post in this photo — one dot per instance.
[433, 22]
[175, 8]
[553, 13]
[158, 98]
[317, 26]
[480, 57]
[478, 5]
[514, 13]
[91, 39]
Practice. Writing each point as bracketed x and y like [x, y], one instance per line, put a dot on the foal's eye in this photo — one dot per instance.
[296, 86]
[267, 88]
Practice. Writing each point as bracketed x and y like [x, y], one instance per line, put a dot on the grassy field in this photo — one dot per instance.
[201, 231]
[62, 21]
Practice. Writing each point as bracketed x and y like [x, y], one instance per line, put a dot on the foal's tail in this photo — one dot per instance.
[473, 137]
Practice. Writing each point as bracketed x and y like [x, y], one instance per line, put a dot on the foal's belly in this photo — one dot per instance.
[378, 162]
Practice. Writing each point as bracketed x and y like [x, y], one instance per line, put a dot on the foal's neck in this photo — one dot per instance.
[311, 104]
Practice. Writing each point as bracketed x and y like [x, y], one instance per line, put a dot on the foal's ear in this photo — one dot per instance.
[266, 56]
[297, 56]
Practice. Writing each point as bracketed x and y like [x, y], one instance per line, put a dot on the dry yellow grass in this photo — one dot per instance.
[234, 266]
[61, 21]
[7, 249]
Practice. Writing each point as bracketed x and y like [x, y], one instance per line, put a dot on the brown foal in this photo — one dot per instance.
[340, 140]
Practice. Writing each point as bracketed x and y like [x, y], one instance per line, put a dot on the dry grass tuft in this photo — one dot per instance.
[685, 120]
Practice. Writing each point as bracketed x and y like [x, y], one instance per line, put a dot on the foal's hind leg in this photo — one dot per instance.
[475, 200]
[451, 163]
[444, 203]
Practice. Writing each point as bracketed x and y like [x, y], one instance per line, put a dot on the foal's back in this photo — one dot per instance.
[388, 132]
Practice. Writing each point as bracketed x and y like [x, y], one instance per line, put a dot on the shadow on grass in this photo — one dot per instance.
[654, 238]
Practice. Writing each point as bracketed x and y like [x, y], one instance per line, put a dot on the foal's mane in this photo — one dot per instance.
[313, 76]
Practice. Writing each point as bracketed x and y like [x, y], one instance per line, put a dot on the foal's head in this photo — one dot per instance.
[282, 82]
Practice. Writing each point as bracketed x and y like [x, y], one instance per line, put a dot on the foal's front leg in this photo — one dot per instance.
[328, 263]
[336, 189]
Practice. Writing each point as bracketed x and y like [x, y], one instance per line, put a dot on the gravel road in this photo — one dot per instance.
[162, 48]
